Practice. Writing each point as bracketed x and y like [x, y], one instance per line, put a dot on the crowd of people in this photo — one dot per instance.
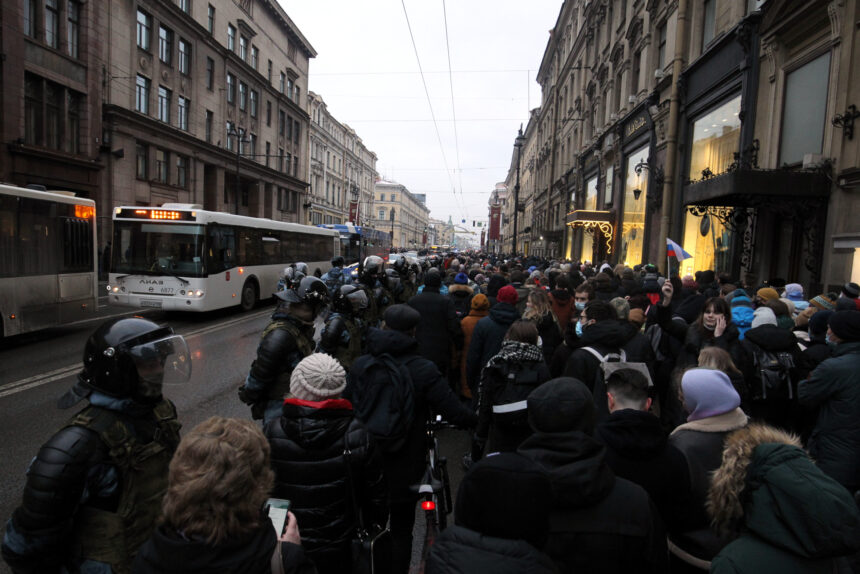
[620, 421]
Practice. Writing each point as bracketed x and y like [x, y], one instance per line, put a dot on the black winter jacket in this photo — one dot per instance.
[637, 449]
[277, 356]
[487, 339]
[459, 550]
[168, 552]
[461, 297]
[604, 337]
[308, 443]
[404, 468]
[550, 335]
[600, 523]
[439, 327]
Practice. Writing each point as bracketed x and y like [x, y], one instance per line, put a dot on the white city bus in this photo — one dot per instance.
[48, 259]
[182, 258]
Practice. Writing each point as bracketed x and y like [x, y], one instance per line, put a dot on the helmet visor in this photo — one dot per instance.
[164, 361]
[358, 300]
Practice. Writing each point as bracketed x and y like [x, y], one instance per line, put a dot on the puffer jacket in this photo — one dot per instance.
[788, 515]
[834, 387]
[461, 296]
[459, 550]
[308, 443]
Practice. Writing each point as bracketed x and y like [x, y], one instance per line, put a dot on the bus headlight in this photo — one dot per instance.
[192, 293]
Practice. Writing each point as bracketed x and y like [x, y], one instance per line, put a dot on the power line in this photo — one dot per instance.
[429, 101]
[453, 104]
[434, 120]
[402, 73]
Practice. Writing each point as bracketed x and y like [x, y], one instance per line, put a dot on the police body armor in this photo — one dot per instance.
[331, 343]
[305, 346]
[114, 537]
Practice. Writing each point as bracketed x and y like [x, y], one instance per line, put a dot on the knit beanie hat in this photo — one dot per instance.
[561, 405]
[480, 278]
[740, 299]
[823, 302]
[317, 377]
[480, 302]
[461, 279]
[506, 495]
[851, 290]
[507, 294]
[846, 325]
[764, 316]
[794, 291]
[818, 323]
[708, 393]
[767, 293]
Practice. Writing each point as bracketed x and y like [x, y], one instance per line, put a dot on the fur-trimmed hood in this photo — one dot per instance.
[769, 486]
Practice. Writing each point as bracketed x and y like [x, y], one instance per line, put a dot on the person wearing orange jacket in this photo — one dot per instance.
[480, 309]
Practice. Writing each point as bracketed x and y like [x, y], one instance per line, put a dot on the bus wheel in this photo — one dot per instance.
[249, 296]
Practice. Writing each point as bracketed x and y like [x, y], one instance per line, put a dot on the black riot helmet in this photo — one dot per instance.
[392, 280]
[131, 358]
[350, 299]
[310, 290]
[373, 267]
[400, 264]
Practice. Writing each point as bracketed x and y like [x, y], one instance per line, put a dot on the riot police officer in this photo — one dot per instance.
[286, 340]
[368, 279]
[292, 275]
[345, 330]
[407, 286]
[94, 490]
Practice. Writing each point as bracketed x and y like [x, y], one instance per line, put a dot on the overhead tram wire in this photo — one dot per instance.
[453, 102]
[432, 113]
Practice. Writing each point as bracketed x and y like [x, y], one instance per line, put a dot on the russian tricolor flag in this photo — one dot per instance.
[675, 250]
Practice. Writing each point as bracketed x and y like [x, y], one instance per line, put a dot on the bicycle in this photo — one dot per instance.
[435, 488]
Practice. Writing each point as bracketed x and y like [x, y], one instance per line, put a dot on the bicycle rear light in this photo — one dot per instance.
[428, 505]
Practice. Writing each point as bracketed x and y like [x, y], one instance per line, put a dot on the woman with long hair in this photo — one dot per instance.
[713, 328]
[214, 513]
[720, 360]
[539, 311]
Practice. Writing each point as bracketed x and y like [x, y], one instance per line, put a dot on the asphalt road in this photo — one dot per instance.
[37, 368]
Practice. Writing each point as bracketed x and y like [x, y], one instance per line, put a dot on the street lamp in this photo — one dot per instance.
[391, 217]
[239, 133]
[518, 143]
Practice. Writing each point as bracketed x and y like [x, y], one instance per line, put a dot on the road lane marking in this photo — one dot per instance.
[61, 373]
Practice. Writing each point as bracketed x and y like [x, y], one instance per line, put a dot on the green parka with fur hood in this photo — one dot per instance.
[788, 515]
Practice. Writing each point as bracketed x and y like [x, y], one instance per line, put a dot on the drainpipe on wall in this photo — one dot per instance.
[681, 35]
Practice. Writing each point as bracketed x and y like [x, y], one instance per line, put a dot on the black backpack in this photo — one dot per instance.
[385, 401]
[509, 401]
[772, 374]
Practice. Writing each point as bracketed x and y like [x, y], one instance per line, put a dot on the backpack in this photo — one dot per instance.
[509, 403]
[385, 401]
[610, 363]
[772, 374]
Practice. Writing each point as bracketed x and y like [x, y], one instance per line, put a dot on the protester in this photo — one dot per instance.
[403, 467]
[214, 513]
[784, 514]
[539, 311]
[439, 332]
[506, 381]
[834, 388]
[480, 309]
[494, 531]
[489, 333]
[600, 523]
[713, 407]
[326, 463]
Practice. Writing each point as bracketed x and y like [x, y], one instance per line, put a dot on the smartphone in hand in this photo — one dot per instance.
[278, 508]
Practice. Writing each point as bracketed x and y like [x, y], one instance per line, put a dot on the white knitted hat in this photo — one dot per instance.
[317, 377]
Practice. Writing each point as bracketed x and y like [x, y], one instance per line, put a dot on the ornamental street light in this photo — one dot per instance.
[518, 143]
[239, 134]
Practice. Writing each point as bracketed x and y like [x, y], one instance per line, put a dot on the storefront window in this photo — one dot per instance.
[711, 251]
[633, 219]
[587, 253]
[716, 137]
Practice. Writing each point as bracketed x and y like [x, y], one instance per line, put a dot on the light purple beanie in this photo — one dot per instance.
[708, 393]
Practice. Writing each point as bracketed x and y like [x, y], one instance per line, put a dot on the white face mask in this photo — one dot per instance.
[579, 305]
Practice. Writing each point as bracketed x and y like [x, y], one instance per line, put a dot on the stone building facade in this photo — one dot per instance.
[158, 101]
[342, 170]
[723, 124]
[404, 214]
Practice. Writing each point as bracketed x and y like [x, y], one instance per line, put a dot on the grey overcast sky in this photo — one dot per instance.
[367, 72]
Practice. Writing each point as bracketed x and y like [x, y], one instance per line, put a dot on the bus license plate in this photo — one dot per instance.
[150, 303]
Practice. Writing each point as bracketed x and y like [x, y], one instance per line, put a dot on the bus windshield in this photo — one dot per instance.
[143, 248]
